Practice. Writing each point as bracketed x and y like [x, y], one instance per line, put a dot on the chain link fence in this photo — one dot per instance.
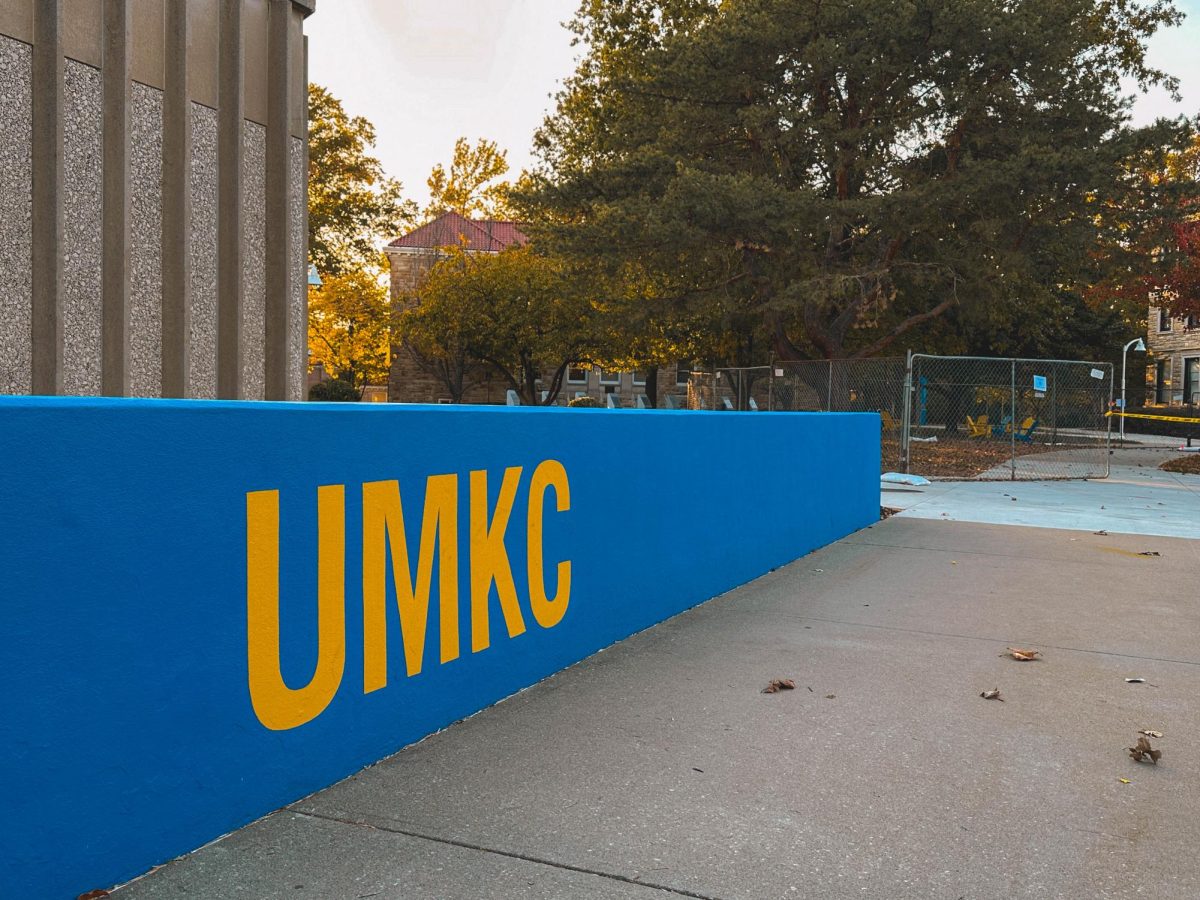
[1008, 419]
[942, 416]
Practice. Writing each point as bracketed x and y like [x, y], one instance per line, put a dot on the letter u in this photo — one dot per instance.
[278, 706]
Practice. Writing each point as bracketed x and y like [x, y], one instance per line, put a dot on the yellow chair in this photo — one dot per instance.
[978, 427]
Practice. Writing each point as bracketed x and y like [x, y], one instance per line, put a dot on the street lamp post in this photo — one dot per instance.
[1136, 344]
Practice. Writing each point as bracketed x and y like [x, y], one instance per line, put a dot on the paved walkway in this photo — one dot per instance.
[657, 769]
[1136, 498]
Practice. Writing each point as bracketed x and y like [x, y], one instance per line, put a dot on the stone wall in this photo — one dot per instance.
[1175, 346]
[16, 198]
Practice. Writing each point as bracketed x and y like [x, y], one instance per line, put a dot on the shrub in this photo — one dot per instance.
[334, 391]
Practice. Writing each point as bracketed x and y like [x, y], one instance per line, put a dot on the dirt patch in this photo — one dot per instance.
[958, 459]
[1185, 465]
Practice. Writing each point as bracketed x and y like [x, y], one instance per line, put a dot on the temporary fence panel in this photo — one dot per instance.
[1006, 419]
[944, 416]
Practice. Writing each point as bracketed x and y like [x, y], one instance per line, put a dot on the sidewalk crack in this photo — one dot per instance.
[976, 637]
[467, 845]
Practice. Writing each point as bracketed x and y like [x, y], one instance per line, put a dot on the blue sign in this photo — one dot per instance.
[212, 609]
[1039, 382]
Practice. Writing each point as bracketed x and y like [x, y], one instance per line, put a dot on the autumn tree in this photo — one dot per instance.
[351, 204]
[349, 328]
[473, 186]
[842, 174]
[1150, 247]
[513, 312]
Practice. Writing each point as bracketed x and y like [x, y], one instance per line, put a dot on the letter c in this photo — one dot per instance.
[547, 611]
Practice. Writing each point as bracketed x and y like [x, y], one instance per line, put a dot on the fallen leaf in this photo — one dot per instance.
[779, 684]
[1124, 781]
[1149, 553]
[1148, 733]
[993, 694]
[831, 696]
[1023, 655]
[694, 769]
[1142, 751]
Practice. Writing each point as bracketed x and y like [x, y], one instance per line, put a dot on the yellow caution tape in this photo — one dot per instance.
[1156, 418]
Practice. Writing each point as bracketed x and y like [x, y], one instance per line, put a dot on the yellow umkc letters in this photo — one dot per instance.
[280, 707]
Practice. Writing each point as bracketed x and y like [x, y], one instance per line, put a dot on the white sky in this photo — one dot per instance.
[428, 71]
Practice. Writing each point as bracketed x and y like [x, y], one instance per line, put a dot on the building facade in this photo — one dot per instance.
[1173, 376]
[416, 380]
[153, 175]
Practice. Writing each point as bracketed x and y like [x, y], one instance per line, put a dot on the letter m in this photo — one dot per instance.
[383, 528]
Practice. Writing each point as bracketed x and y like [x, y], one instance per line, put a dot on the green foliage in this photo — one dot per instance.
[472, 187]
[349, 328]
[513, 312]
[586, 403]
[829, 177]
[334, 391]
[351, 205]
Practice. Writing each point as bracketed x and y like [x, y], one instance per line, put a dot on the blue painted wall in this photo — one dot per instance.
[128, 733]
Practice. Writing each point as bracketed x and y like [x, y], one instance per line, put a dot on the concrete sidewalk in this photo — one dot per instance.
[658, 769]
[1136, 498]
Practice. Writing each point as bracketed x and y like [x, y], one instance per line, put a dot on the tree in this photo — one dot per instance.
[472, 186]
[349, 328]
[1150, 249]
[514, 312]
[334, 391]
[832, 175]
[351, 205]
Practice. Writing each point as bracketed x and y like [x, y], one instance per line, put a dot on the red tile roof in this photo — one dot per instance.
[450, 230]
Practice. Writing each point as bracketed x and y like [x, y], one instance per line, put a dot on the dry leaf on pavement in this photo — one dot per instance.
[1148, 733]
[1023, 655]
[993, 694]
[1142, 751]
[779, 684]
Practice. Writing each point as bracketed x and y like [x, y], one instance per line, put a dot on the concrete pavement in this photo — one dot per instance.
[1136, 498]
[658, 769]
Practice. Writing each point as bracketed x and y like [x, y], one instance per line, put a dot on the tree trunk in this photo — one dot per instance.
[652, 387]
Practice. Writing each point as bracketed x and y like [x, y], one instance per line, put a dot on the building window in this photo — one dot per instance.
[1164, 319]
[1191, 380]
[683, 372]
[608, 376]
[639, 377]
[577, 375]
[1192, 322]
[1162, 380]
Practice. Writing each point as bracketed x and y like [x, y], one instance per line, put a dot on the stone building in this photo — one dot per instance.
[1173, 378]
[153, 176]
[413, 380]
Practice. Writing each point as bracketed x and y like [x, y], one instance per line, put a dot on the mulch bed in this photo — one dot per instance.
[959, 459]
[1185, 465]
